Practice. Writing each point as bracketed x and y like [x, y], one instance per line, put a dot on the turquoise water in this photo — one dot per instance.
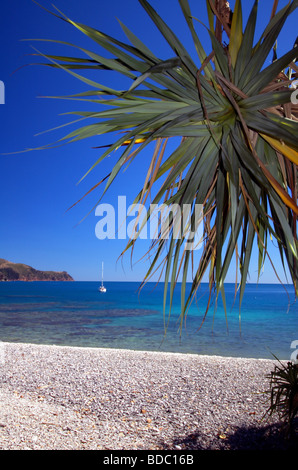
[76, 314]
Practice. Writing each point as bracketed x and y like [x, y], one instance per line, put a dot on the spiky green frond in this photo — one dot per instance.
[238, 152]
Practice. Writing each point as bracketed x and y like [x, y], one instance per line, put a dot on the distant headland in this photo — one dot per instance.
[21, 272]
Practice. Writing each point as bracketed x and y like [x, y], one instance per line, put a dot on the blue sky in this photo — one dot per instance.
[38, 187]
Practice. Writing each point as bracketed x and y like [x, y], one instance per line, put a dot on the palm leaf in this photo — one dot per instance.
[237, 156]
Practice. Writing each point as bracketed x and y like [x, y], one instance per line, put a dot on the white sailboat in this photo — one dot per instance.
[102, 287]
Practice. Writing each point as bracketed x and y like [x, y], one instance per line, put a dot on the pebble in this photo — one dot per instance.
[59, 398]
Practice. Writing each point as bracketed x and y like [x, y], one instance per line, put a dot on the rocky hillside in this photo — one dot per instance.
[21, 272]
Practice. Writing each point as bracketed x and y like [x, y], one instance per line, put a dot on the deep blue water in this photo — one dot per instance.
[76, 314]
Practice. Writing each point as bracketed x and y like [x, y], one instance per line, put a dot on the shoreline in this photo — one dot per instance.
[141, 351]
[64, 397]
[80, 317]
[149, 351]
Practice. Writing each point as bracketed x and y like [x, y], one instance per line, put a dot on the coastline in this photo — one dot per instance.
[62, 397]
[75, 314]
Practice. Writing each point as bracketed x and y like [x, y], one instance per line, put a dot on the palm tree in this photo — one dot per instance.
[237, 152]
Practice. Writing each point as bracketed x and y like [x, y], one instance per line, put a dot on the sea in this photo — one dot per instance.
[124, 317]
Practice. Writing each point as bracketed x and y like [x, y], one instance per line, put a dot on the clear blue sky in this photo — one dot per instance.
[38, 187]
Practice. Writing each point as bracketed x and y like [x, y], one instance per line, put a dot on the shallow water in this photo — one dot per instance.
[76, 314]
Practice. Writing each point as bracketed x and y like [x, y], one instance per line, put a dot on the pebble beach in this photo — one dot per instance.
[68, 398]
